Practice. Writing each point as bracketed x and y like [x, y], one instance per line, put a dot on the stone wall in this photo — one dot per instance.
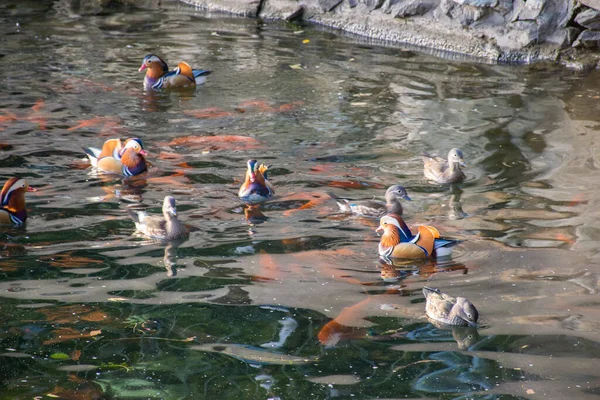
[496, 30]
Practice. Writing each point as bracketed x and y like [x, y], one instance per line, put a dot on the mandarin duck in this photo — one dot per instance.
[448, 310]
[442, 170]
[116, 158]
[376, 208]
[12, 201]
[158, 75]
[398, 241]
[256, 187]
[167, 227]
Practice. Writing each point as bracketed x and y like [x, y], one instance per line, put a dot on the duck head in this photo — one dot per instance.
[251, 172]
[396, 192]
[388, 224]
[169, 208]
[466, 311]
[134, 144]
[455, 156]
[132, 157]
[154, 65]
[12, 196]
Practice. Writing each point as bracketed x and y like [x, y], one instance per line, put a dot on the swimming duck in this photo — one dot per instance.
[12, 201]
[158, 75]
[440, 170]
[448, 310]
[398, 241]
[167, 227]
[114, 157]
[256, 187]
[376, 208]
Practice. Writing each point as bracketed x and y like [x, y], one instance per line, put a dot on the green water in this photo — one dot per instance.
[294, 303]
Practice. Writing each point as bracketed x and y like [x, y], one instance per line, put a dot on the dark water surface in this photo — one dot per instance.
[297, 306]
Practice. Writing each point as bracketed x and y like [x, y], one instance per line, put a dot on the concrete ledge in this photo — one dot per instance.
[518, 31]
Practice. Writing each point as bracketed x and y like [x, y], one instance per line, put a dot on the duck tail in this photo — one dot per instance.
[92, 153]
[136, 216]
[200, 75]
[343, 204]
[443, 247]
[428, 291]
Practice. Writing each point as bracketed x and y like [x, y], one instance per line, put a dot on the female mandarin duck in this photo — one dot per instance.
[167, 227]
[256, 187]
[114, 157]
[375, 208]
[440, 170]
[158, 75]
[399, 242]
[12, 201]
[449, 310]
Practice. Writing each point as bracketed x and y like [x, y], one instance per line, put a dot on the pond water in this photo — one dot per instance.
[289, 301]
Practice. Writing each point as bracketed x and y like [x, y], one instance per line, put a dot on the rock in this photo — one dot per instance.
[564, 37]
[531, 10]
[411, 8]
[373, 4]
[595, 4]
[296, 15]
[523, 34]
[466, 15]
[477, 3]
[352, 3]
[504, 6]
[328, 5]
[587, 38]
[566, 14]
[589, 18]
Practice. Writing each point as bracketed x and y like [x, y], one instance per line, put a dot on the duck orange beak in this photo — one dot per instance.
[143, 67]
[31, 189]
[143, 152]
[379, 229]
[252, 177]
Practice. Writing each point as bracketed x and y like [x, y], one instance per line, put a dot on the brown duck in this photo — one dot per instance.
[442, 170]
[448, 310]
[167, 227]
[376, 208]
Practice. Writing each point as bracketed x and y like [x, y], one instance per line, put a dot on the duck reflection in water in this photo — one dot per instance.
[455, 210]
[159, 101]
[393, 269]
[465, 337]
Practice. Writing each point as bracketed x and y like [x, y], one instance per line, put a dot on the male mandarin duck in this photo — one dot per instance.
[256, 187]
[167, 227]
[376, 208]
[448, 310]
[114, 157]
[399, 242]
[442, 170]
[12, 201]
[158, 75]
